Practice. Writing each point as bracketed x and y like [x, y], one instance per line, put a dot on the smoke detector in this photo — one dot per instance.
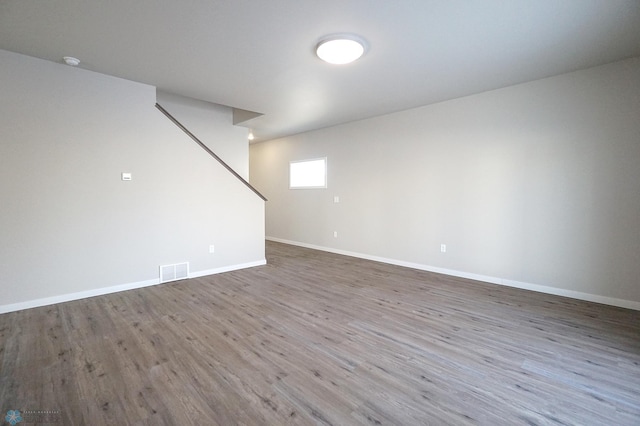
[70, 60]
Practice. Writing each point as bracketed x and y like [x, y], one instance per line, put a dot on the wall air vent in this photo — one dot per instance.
[178, 271]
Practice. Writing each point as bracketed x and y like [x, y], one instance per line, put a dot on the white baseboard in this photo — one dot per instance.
[114, 289]
[622, 303]
[227, 268]
[35, 303]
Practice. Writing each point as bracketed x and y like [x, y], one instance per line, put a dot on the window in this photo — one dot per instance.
[308, 174]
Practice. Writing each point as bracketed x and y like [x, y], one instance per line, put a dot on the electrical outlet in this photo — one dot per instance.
[443, 248]
[212, 249]
[335, 234]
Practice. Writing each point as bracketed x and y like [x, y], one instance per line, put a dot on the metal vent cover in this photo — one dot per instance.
[175, 272]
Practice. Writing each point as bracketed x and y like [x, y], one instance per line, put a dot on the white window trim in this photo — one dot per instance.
[305, 161]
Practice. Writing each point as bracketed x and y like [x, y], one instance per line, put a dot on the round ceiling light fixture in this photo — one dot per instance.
[340, 49]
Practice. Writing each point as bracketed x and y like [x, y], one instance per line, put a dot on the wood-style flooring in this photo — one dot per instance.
[315, 338]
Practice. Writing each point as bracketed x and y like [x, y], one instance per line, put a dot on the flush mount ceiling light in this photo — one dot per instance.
[70, 60]
[340, 48]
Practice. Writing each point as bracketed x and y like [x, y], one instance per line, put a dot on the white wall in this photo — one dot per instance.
[69, 227]
[535, 185]
[211, 124]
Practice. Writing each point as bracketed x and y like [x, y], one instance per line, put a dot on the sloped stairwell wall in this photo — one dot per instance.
[70, 226]
[210, 123]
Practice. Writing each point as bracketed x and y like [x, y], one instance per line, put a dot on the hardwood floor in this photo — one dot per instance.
[318, 338]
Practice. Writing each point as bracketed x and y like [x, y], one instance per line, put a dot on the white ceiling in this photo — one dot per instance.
[258, 55]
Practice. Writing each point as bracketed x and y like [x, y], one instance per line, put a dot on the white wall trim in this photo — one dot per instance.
[117, 288]
[227, 268]
[45, 301]
[622, 303]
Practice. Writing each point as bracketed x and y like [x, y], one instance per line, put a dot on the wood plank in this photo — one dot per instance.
[319, 338]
